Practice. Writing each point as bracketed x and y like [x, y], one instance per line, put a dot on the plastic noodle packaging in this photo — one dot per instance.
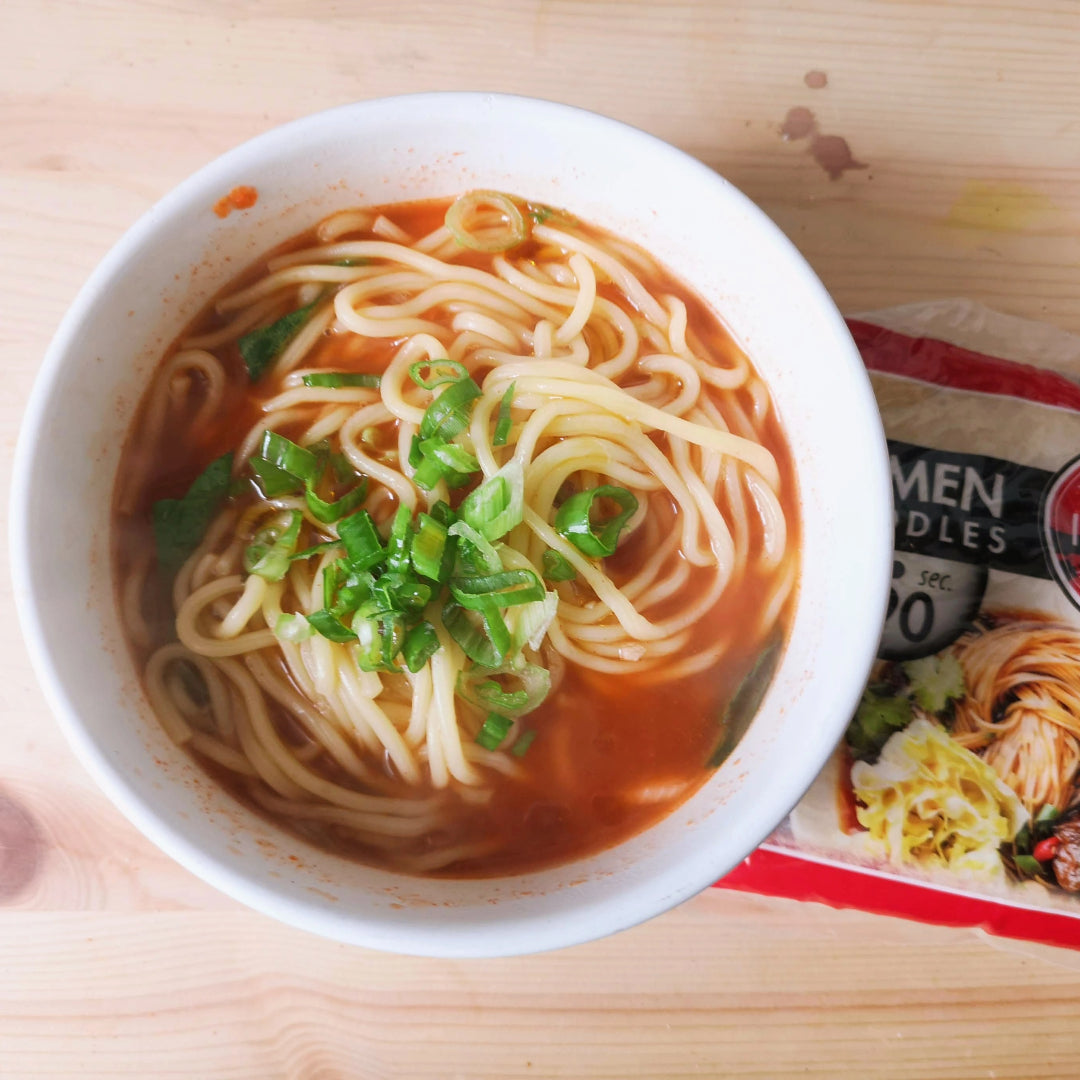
[955, 795]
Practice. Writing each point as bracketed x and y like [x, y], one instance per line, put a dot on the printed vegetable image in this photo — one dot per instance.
[931, 802]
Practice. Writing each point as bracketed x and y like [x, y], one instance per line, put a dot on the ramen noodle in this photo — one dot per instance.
[457, 536]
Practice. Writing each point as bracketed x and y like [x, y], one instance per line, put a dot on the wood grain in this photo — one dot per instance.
[116, 963]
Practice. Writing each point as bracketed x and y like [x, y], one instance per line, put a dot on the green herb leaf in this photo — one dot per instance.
[875, 720]
[935, 681]
[745, 702]
[260, 348]
[180, 524]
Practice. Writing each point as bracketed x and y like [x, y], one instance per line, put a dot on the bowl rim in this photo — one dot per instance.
[517, 934]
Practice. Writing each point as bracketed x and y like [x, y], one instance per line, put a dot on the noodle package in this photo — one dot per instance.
[955, 794]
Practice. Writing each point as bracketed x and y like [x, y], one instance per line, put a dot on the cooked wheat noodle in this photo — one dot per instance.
[611, 386]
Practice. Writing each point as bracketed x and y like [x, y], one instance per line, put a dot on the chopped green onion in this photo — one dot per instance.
[268, 555]
[495, 728]
[415, 457]
[476, 551]
[429, 548]
[478, 686]
[293, 459]
[420, 645]
[336, 379]
[468, 219]
[317, 549]
[350, 595]
[504, 589]
[448, 415]
[450, 456]
[502, 425]
[532, 621]
[260, 348]
[293, 628]
[329, 512]
[442, 513]
[498, 504]
[180, 524]
[395, 591]
[428, 473]
[363, 545]
[574, 520]
[438, 372]
[332, 578]
[486, 643]
[397, 547]
[380, 637]
[343, 469]
[522, 744]
[331, 627]
[272, 481]
[1049, 812]
[557, 567]
[353, 260]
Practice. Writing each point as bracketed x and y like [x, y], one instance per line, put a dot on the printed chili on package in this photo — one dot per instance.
[955, 795]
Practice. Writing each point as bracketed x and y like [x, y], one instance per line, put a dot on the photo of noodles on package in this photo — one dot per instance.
[961, 766]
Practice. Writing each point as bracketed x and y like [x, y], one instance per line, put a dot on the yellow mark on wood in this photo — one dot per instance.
[999, 207]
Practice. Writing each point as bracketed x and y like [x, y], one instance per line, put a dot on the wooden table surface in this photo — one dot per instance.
[116, 963]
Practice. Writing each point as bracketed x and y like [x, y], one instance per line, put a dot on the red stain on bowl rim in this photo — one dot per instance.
[242, 197]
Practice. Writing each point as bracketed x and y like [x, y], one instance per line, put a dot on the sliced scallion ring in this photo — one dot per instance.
[486, 221]
[427, 374]
[595, 539]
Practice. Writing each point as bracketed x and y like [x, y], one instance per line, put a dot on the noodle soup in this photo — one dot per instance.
[457, 536]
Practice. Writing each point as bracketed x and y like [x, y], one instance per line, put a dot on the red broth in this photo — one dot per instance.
[612, 755]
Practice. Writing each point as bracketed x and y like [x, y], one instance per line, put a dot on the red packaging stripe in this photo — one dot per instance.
[943, 364]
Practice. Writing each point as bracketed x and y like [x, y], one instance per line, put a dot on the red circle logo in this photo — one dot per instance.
[1061, 529]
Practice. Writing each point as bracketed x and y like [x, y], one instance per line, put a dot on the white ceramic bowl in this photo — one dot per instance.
[412, 148]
